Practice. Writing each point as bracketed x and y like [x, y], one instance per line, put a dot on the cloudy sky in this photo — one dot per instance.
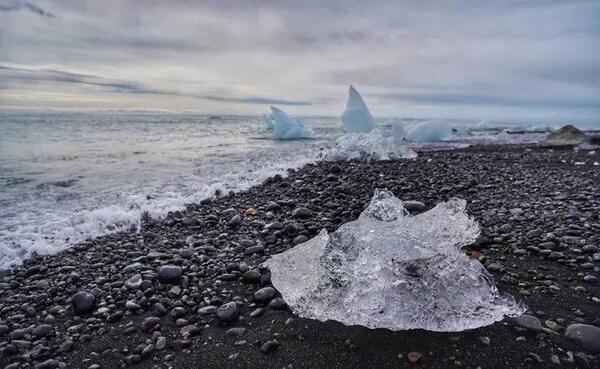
[526, 59]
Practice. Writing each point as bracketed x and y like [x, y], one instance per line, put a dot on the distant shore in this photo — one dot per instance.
[188, 291]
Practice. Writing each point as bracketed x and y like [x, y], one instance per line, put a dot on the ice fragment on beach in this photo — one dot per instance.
[282, 127]
[388, 269]
[429, 131]
[357, 117]
[374, 145]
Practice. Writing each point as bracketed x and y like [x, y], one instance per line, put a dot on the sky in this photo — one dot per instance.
[509, 59]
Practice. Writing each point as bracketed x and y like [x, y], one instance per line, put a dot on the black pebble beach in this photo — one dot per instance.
[188, 291]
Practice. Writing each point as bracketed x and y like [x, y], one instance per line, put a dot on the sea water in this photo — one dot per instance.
[67, 177]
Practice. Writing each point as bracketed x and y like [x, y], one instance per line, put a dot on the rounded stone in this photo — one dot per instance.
[529, 322]
[83, 302]
[134, 282]
[228, 312]
[264, 294]
[588, 336]
[169, 273]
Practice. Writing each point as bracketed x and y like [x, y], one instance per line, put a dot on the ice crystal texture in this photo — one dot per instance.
[357, 117]
[388, 269]
[374, 145]
[282, 127]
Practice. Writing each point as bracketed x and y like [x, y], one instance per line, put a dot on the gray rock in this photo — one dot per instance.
[269, 346]
[150, 323]
[134, 282]
[590, 279]
[529, 322]
[161, 343]
[265, 294]
[588, 336]
[236, 331]
[42, 330]
[190, 330]
[251, 276]
[277, 303]
[83, 302]
[567, 135]
[48, 364]
[302, 213]
[254, 249]
[169, 273]
[235, 221]
[413, 206]
[495, 267]
[228, 312]
[207, 310]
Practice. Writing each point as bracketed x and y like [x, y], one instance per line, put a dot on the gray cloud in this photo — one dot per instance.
[407, 57]
[491, 100]
[18, 5]
[24, 75]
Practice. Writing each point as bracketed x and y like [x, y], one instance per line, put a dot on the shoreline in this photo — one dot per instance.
[536, 208]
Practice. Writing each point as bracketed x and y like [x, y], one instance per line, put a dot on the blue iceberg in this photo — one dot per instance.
[357, 118]
[282, 127]
[429, 131]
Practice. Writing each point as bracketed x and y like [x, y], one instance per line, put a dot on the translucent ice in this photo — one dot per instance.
[392, 270]
[374, 145]
[429, 131]
[357, 117]
[282, 127]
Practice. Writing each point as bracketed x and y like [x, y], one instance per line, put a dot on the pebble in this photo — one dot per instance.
[588, 336]
[269, 346]
[169, 273]
[134, 282]
[83, 302]
[529, 322]
[265, 294]
[228, 312]
[414, 357]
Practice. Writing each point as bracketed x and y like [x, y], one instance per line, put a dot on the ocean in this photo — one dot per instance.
[67, 177]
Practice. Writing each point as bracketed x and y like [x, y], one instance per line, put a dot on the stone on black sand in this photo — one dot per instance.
[302, 213]
[251, 276]
[134, 282]
[413, 206]
[269, 346]
[277, 303]
[169, 273]
[588, 336]
[529, 322]
[235, 221]
[228, 312]
[83, 302]
[265, 294]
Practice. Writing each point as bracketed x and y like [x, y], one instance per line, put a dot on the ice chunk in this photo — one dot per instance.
[388, 269]
[282, 127]
[357, 117]
[374, 145]
[429, 131]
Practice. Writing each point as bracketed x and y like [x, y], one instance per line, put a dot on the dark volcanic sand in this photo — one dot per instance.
[540, 214]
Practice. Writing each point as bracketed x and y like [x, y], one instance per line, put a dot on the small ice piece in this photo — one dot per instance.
[429, 131]
[388, 269]
[399, 134]
[357, 118]
[282, 127]
[374, 145]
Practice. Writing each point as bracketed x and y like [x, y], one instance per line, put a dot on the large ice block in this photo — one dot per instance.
[375, 145]
[392, 270]
[357, 118]
[282, 127]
